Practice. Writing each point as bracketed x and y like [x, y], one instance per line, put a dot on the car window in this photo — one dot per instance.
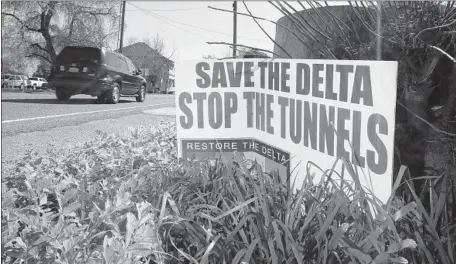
[111, 60]
[123, 64]
[72, 54]
[33, 79]
[131, 66]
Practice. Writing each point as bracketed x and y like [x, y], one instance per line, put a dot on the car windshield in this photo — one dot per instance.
[79, 54]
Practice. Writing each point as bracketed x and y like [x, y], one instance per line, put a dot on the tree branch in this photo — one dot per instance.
[432, 28]
[443, 52]
[38, 55]
[36, 45]
[239, 45]
[22, 23]
[264, 31]
[273, 22]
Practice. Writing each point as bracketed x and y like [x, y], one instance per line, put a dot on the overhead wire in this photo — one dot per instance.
[172, 10]
[200, 28]
[156, 16]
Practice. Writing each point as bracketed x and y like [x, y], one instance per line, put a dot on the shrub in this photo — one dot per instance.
[128, 199]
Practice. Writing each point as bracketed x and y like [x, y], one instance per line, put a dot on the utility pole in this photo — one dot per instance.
[379, 31]
[234, 28]
[122, 25]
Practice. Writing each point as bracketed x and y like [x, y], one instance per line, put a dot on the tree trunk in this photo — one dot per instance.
[449, 108]
[46, 17]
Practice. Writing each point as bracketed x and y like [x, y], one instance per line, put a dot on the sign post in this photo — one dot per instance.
[292, 115]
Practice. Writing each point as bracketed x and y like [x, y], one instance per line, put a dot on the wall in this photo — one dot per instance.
[316, 20]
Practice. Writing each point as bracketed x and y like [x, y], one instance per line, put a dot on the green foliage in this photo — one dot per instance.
[130, 200]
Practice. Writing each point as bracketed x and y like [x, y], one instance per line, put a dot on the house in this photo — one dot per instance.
[156, 68]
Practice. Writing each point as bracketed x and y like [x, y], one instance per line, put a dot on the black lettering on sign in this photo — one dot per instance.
[317, 80]
[283, 102]
[260, 106]
[231, 107]
[274, 76]
[295, 120]
[235, 75]
[342, 133]
[249, 96]
[358, 159]
[329, 93]
[344, 70]
[379, 166]
[362, 79]
[199, 98]
[262, 65]
[285, 66]
[326, 129]
[248, 74]
[310, 125]
[269, 114]
[205, 80]
[302, 79]
[215, 110]
[219, 75]
[186, 121]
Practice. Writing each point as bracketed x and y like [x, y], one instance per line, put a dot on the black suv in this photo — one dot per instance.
[96, 72]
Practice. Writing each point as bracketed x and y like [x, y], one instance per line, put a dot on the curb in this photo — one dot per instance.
[163, 111]
[18, 90]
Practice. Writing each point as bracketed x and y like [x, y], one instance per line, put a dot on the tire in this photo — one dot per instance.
[62, 95]
[113, 95]
[141, 94]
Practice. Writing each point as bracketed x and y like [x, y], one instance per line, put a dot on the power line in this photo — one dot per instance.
[209, 30]
[172, 10]
[156, 16]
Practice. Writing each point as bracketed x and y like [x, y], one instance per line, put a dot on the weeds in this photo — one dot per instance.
[129, 200]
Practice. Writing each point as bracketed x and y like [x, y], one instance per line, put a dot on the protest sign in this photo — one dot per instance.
[299, 114]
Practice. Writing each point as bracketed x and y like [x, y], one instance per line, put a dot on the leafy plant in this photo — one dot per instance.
[128, 199]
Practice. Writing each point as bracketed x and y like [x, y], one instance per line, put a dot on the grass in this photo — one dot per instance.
[130, 200]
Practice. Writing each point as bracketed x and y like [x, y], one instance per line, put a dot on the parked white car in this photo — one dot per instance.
[5, 78]
[37, 82]
[16, 81]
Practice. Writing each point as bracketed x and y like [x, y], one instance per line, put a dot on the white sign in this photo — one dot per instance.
[293, 112]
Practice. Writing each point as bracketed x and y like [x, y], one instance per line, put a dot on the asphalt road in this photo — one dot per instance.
[37, 121]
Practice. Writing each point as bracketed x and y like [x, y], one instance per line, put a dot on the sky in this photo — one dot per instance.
[187, 26]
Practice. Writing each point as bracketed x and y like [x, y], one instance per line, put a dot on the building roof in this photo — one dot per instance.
[137, 50]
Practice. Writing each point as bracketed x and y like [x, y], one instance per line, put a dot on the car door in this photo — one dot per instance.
[16, 81]
[136, 78]
[128, 78]
[10, 81]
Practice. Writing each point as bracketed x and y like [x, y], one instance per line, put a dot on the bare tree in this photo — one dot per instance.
[49, 26]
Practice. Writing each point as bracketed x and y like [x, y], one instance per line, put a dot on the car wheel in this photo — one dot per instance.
[62, 95]
[141, 94]
[113, 95]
